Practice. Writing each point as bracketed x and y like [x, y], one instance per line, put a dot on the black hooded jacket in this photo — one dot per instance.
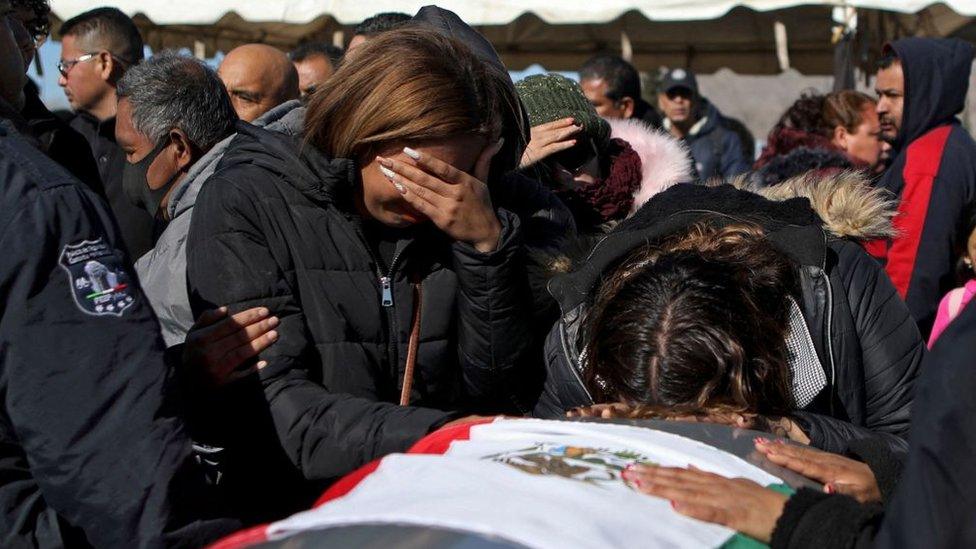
[934, 504]
[449, 24]
[864, 338]
[715, 148]
[933, 174]
[278, 228]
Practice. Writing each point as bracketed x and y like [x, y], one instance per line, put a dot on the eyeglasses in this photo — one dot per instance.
[65, 66]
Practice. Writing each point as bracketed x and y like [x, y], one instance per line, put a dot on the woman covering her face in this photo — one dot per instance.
[399, 285]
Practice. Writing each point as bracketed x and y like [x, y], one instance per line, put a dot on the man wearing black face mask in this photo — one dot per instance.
[174, 123]
[172, 110]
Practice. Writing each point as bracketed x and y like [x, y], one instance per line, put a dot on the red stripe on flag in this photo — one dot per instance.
[345, 485]
[440, 440]
[921, 167]
[435, 443]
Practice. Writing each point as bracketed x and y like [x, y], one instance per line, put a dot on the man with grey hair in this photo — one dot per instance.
[175, 121]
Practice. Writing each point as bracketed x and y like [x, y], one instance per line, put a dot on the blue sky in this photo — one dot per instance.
[51, 93]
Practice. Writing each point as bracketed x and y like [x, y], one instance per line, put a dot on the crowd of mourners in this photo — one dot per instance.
[224, 290]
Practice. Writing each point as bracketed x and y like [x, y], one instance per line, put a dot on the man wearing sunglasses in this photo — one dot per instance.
[715, 146]
[97, 47]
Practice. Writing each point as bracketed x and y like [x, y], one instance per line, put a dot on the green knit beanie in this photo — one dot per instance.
[549, 97]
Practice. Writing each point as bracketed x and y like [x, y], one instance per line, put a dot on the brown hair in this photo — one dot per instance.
[845, 109]
[412, 84]
[694, 324]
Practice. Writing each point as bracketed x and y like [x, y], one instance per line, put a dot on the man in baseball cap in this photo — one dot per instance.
[713, 139]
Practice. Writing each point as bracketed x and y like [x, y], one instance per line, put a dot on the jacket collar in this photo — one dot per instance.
[299, 164]
[184, 196]
[285, 118]
[333, 179]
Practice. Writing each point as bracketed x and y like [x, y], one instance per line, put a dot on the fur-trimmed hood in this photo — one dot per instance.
[848, 204]
[665, 161]
[845, 203]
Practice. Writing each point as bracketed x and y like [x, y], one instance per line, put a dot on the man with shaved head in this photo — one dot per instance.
[258, 78]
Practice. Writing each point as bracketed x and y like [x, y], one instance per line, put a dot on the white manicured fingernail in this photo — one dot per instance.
[411, 153]
[388, 173]
[400, 188]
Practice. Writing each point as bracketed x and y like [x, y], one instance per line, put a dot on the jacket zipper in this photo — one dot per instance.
[830, 344]
[386, 300]
[386, 282]
[830, 324]
[569, 357]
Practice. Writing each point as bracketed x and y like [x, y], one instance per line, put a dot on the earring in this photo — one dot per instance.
[968, 262]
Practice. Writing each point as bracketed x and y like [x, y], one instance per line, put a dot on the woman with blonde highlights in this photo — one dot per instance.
[851, 123]
[399, 285]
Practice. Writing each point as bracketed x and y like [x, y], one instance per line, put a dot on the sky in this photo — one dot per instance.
[51, 93]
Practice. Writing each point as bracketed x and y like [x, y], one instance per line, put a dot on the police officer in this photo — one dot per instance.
[93, 450]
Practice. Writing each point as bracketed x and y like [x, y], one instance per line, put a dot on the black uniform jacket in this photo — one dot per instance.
[92, 449]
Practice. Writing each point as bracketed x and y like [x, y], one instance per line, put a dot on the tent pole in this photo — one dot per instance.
[782, 49]
[626, 48]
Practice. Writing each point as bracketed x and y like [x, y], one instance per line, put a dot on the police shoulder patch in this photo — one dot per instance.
[98, 278]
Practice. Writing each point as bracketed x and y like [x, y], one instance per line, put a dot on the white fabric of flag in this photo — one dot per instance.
[542, 484]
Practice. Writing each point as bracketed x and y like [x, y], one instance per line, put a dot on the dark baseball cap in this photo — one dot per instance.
[679, 78]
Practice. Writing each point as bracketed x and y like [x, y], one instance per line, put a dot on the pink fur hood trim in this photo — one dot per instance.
[665, 161]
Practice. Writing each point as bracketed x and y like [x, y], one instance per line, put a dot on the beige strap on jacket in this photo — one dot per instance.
[412, 345]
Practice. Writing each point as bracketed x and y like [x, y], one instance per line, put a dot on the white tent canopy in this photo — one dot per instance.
[748, 36]
[483, 12]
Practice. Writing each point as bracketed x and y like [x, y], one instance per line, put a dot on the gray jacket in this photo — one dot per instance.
[162, 270]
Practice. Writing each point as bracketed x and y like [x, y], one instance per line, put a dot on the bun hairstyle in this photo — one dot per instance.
[805, 114]
[693, 325]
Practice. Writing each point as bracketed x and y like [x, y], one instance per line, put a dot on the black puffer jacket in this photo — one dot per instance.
[866, 342]
[933, 505]
[275, 229]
